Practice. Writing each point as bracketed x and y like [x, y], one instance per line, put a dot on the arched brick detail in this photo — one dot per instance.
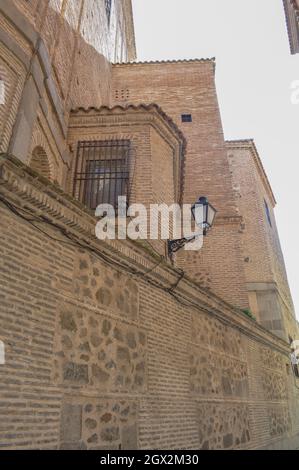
[41, 141]
[39, 162]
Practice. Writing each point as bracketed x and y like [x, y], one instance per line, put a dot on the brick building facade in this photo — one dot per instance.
[266, 278]
[109, 345]
[292, 17]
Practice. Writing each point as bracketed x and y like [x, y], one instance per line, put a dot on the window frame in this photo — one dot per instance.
[186, 118]
[102, 172]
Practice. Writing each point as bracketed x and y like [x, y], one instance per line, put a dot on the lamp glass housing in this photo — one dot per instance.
[208, 213]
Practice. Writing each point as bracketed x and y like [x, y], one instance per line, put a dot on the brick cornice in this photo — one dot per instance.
[185, 62]
[25, 188]
[169, 61]
[144, 113]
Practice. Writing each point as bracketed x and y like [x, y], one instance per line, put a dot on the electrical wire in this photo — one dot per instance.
[107, 260]
[74, 242]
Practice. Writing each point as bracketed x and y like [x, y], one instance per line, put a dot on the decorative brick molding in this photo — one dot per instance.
[13, 73]
[157, 62]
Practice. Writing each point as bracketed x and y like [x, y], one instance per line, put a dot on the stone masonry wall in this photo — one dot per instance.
[100, 358]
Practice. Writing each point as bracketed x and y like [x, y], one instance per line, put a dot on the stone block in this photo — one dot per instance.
[129, 438]
[71, 423]
[76, 373]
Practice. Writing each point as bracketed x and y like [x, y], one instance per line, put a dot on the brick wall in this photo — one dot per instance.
[99, 358]
[188, 87]
[47, 67]
[155, 149]
[42, 122]
[54, 56]
[12, 75]
[111, 36]
[265, 271]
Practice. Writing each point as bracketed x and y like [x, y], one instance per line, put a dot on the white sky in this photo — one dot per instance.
[254, 72]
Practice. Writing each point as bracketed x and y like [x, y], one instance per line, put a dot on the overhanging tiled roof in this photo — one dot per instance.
[139, 107]
[170, 61]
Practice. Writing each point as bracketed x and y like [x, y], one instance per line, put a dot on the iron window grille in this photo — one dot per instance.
[101, 172]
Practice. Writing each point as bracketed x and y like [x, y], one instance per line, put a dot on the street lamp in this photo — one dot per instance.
[208, 216]
[204, 214]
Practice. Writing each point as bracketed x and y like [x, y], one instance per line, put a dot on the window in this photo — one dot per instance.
[186, 118]
[102, 172]
[268, 213]
[108, 6]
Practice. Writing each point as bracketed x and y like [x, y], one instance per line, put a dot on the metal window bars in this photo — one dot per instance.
[102, 172]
